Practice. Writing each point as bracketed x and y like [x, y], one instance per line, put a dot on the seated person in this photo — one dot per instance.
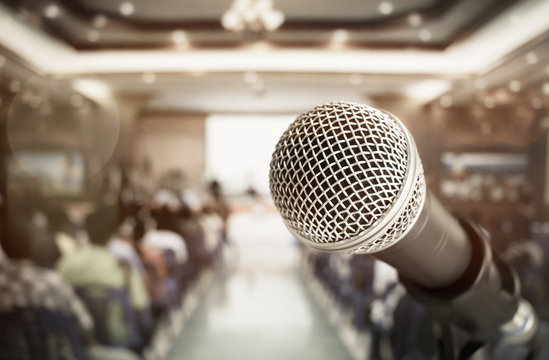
[58, 315]
[24, 285]
[173, 257]
[122, 245]
[95, 266]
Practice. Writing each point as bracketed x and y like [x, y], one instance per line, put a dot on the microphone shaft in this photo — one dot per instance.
[435, 252]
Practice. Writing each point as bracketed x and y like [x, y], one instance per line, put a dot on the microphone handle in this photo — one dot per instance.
[435, 251]
[485, 301]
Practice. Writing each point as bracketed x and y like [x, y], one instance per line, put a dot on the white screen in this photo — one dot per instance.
[239, 149]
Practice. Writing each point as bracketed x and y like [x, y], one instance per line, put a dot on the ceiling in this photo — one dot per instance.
[145, 24]
[175, 54]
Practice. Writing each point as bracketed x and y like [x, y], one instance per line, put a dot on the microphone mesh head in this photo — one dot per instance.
[346, 177]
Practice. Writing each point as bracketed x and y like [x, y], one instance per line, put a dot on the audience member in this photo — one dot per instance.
[23, 284]
[95, 266]
[219, 204]
[59, 317]
[122, 246]
[64, 231]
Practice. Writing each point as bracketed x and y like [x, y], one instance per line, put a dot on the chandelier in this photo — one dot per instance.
[252, 18]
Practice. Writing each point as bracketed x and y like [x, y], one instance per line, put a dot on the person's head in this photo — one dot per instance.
[17, 244]
[139, 230]
[59, 221]
[101, 225]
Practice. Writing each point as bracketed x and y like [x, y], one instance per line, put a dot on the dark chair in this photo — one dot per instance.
[116, 324]
[413, 336]
[362, 284]
[173, 284]
[32, 333]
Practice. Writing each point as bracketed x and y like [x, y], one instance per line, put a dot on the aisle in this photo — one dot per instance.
[259, 308]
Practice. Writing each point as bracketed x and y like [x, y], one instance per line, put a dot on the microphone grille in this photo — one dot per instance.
[337, 172]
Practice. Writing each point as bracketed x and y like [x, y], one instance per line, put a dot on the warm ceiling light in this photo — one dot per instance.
[545, 88]
[415, 19]
[385, 8]
[93, 36]
[99, 21]
[532, 58]
[425, 35]
[340, 36]
[252, 17]
[514, 86]
[127, 8]
[52, 11]
[179, 37]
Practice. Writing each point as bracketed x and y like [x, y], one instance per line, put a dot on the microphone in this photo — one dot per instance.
[347, 177]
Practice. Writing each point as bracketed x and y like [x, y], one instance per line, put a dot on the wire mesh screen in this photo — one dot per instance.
[336, 171]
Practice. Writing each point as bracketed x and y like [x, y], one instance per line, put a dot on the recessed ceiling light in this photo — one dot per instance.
[51, 11]
[127, 8]
[532, 58]
[415, 19]
[545, 88]
[385, 8]
[425, 35]
[99, 21]
[93, 36]
[179, 37]
[340, 36]
[514, 85]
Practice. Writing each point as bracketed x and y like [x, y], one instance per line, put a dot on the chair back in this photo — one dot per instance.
[115, 322]
[34, 333]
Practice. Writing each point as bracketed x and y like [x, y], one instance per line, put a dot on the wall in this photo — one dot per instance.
[164, 142]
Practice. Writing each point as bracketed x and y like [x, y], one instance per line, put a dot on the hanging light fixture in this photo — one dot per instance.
[252, 18]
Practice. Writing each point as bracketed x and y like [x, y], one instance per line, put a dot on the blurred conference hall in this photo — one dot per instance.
[138, 216]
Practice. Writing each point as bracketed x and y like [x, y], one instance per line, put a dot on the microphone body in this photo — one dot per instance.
[435, 251]
[347, 178]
